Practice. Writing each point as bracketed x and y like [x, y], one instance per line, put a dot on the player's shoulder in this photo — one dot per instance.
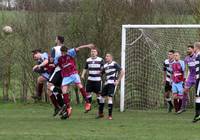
[45, 54]
[166, 61]
[99, 58]
[89, 59]
[56, 47]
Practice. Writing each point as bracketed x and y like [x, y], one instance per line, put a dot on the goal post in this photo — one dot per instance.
[141, 45]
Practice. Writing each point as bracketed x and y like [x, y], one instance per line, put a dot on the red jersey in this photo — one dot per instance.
[178, 68]
[68, 65]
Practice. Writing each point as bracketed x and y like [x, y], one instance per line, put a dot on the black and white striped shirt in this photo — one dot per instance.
[94, 67]
[111, 70]
[197, 66]
[168, 69]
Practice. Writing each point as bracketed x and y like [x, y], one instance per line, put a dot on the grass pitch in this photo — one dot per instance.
[35, 122]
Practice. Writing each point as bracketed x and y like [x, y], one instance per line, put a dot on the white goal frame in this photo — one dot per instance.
[123, 48]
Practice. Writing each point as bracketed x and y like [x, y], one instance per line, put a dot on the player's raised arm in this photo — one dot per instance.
[90, 46]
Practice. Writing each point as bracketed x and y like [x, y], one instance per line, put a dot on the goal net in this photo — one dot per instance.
[144, 49]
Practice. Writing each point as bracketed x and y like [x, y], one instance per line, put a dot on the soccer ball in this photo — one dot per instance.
[7, 29]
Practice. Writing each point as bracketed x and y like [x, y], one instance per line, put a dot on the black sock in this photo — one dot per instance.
[60, 99]
[110, 108]
[170, 103]
[90, 99]
[98, 101]
[101, 107]
[197, 108]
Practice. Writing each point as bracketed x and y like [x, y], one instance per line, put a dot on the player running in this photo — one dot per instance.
[167, 68]
[197, 66]
[42, 60]
[93, 66]
[70, 76]
[178, 68]
[111, 70]
[191, 79]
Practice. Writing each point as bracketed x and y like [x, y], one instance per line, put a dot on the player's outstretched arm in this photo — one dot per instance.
[90, 46]
[44, 63]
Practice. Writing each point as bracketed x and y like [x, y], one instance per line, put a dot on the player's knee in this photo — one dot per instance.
[110, 100]
[102, 100]
[80, 86]
[49, 85]
[40, 80]
[175, 96]
[65, 90]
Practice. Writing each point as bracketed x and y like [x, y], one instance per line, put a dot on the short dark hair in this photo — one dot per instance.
[63, 49]
[61, 39]
[171, 51]
[190, 46]
[36, 51]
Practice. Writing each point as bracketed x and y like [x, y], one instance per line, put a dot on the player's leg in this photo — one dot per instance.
[40, 83]
[77, 81]
[89, 90]
[175, 96]
[188, 84]
[97, 90]
[197, 102]
[53, 93]
[111, 90]
[101, 107]
[57, 88]
[102, 102]
[168, 89]
[66, 96]
[53, 101]
[180, 95]
[54, 86]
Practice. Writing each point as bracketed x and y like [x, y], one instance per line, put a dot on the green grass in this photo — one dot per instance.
[34, 122]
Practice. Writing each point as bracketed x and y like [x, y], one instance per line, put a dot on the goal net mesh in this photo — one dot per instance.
[146, 50]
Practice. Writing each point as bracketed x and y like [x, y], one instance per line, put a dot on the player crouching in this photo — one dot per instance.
[178, 68]
[70, 76]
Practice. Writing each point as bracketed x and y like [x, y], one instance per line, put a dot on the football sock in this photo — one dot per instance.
[84, 94]
[110, 108]
[60, 99]
[66, 100]
[176, 105]
[54, 101]
[101, 105]
[39, 89]
[179, 104]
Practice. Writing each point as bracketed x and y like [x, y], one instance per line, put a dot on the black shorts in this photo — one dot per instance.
[108, 90]
[197, 86]
[56, 78]
[93, 86]
[168, 87]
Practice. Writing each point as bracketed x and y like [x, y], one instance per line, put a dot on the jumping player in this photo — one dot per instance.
[55, 80]
[93, 66]
[197, 66]
[111, 70]
[167, 68]
[70, 76]
[191, 79]
[178, 68]
[42, 60]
